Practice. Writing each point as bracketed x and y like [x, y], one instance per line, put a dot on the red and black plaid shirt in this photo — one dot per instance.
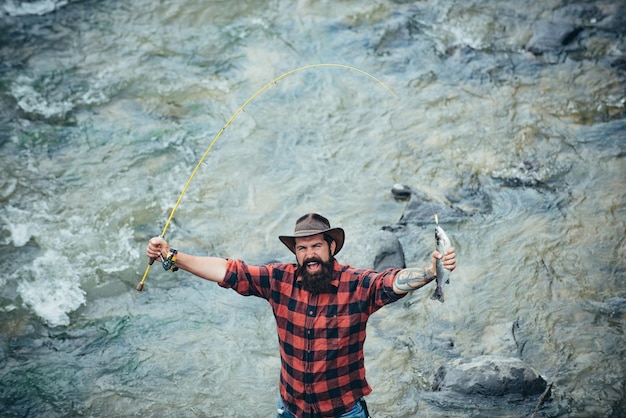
[321, 336]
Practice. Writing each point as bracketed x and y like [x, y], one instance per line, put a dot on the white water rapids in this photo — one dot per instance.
[106, 107]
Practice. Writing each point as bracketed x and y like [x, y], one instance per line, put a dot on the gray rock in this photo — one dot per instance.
[421, 208]
[465, 200]
[614, 307]
[552, 37]
[531, 173]
[377, 250]
[389, 253]
[490, 376]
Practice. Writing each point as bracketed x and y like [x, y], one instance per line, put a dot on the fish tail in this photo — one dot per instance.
[437, 294]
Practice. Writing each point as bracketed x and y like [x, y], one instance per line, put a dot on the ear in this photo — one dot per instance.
[333, 245]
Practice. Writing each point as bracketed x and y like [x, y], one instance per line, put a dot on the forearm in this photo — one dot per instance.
[411, 279]
[208, 268]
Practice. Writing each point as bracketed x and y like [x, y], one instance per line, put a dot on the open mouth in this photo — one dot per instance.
[313, 266]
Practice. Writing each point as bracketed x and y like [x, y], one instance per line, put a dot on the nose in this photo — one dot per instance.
[308, 253]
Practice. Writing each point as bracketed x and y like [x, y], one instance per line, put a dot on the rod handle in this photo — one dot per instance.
[140, 285]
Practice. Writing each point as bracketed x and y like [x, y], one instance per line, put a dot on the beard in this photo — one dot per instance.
[318, 282]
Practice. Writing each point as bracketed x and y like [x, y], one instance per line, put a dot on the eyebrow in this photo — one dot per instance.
[315, 244]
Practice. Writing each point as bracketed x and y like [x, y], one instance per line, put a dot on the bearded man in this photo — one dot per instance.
[321, 309]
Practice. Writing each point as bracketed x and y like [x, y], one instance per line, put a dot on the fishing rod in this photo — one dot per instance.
[227, 124]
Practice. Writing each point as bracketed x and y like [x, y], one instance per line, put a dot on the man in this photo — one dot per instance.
[321, 309]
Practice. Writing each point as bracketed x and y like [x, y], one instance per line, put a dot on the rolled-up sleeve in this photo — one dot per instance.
[381, 289]
[247, 280]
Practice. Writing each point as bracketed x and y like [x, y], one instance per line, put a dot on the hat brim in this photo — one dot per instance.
[337, 234]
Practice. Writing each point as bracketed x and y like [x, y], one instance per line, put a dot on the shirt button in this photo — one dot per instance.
[311, 313]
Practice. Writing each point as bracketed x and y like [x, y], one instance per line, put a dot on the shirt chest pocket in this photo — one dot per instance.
[337, 332]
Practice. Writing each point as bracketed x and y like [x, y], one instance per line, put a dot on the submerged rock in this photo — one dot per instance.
[552, 37]
[531, 173]
[465, 200]
[614, 307]
[421, 208]
[490, 376]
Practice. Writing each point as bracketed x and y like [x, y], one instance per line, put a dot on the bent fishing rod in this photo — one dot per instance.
[227, 124]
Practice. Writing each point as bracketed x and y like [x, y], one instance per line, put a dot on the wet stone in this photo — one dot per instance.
[552, 37]
[490, 376]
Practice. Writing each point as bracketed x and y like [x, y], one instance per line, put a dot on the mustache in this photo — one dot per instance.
[312, 260]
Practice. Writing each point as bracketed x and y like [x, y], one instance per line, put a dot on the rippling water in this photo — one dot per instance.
[107, 107]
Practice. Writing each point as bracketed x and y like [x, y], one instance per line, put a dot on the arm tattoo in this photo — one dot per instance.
[413, 278]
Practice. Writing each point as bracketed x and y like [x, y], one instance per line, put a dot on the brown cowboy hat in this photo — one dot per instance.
[313, 224]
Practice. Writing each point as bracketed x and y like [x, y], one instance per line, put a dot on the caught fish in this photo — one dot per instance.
[443, 275]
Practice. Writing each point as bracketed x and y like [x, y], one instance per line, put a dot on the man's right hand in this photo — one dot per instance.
[157, 248]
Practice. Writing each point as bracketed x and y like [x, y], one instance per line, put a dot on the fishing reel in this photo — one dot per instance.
[169, 263]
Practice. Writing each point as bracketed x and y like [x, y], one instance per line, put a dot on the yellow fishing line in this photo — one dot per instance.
[210, 147]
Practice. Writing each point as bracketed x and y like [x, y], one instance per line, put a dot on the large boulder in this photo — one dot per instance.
[490, 376]
[376, 250]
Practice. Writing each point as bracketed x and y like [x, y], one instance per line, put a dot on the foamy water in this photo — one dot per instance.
[109, 107]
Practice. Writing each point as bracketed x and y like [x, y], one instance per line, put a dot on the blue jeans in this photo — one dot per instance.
[357, 411]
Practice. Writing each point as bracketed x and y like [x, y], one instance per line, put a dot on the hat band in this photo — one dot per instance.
[310, 231]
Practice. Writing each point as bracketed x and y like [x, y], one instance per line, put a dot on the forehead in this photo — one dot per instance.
[312, 240]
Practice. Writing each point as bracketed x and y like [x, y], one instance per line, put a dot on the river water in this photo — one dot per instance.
[107, 106]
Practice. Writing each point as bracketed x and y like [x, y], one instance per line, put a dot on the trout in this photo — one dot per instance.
[443, 275]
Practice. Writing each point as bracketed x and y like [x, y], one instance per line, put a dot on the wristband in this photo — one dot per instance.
[170, 262]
